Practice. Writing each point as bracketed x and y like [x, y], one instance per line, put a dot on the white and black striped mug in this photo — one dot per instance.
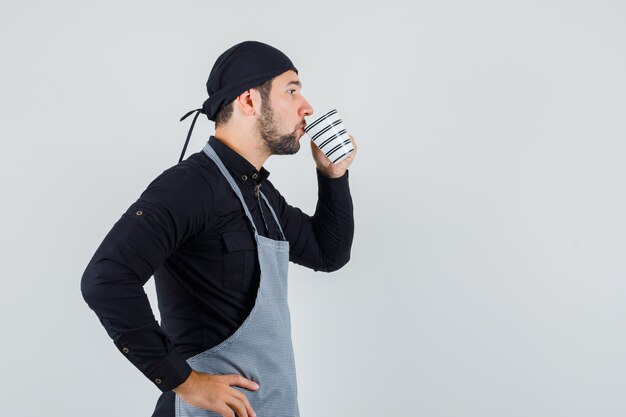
[330, 135]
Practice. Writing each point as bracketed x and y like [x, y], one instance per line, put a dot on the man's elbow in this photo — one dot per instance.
[89, 288]
[335, 264]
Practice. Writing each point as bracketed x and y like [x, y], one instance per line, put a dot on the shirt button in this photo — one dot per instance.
[244, 177]
[125, 350]
[158, 381]
[139, 213]
[255, 176]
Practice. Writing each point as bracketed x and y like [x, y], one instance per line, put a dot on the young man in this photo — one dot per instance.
[217, 236]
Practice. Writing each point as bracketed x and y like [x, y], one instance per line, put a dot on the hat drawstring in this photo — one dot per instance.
[198, 111]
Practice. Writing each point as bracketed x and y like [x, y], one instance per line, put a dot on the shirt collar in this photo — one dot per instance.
[239, 166]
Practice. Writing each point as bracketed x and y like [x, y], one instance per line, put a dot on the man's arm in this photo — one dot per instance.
[323, 241]
[112, 284]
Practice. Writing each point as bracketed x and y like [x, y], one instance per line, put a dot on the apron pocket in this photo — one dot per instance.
[239, 257]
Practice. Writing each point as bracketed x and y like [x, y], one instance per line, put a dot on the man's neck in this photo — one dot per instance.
[248, 145]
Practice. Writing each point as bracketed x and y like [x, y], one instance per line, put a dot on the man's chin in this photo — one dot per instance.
[286, 145]
[292, 150]
[295, 145]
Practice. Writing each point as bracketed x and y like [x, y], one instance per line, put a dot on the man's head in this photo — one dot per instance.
[254, 98]
[273, 109]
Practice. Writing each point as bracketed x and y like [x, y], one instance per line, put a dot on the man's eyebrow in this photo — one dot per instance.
[298, 83]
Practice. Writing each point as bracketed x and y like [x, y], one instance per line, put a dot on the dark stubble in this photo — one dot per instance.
[277, 144]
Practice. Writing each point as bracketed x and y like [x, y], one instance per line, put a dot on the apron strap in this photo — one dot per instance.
[267, 203]
[211, 154]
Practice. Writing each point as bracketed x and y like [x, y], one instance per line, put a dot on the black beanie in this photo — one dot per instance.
[244, 66]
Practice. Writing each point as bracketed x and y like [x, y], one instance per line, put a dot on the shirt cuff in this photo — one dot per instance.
[170, 372]
[334, 189]
[144, 348]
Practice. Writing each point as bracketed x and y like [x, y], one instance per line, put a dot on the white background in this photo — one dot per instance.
[487, 276]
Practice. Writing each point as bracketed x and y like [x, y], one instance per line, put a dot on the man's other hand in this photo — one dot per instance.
[214, 393]
[326, 167]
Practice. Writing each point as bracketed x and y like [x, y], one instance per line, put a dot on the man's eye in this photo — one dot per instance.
[291, 91]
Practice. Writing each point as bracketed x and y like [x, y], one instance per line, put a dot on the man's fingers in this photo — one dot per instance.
[226, 411]
[353, 143]
[317, 153]
[321, 160]
[242, 382]
[239, 402]
[244, 400]
[238, 407]
[353, 153]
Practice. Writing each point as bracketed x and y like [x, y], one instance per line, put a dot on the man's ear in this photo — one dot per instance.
[248, 102]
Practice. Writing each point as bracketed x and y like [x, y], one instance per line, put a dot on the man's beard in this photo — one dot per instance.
[278, 144]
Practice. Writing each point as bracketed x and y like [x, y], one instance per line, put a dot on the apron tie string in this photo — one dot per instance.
[197, 111]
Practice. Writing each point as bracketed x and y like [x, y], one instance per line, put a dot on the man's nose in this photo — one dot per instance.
[306, 109]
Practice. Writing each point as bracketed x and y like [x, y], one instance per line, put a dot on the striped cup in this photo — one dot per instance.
[330, 135]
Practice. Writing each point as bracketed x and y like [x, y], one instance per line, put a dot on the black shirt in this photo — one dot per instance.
[189, 230]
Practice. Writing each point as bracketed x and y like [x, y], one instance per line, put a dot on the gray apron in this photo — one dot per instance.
[260, 349]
